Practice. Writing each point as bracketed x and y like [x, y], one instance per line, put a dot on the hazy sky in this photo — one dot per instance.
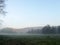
[27, 13]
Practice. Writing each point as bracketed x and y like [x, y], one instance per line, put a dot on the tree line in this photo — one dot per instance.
[46, 30]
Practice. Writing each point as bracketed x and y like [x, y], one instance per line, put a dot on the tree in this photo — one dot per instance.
[58, 29]
[2, 6]
[53, 30]
[46, 29]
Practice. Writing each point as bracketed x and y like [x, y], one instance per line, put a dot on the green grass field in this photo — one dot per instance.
[29, 40]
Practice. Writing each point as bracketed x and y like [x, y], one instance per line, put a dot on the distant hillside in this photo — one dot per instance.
[27, 29]
[22, 30]
[7, 30]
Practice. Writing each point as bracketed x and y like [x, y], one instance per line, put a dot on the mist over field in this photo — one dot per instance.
[45, 30]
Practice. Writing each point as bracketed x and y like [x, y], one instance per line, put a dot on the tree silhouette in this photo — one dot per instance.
[2, 7]
[46, 29]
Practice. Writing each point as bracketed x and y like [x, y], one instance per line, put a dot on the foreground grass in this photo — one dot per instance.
[29, 40]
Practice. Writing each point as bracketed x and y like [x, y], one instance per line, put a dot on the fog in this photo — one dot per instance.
[45, 30]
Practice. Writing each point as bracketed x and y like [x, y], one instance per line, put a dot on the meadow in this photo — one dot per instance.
[29, 40]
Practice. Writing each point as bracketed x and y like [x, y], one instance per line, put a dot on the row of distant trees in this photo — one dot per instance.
[46, 30]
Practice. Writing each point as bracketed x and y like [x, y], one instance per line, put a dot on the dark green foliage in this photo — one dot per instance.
[46, 30]
[58, 28]
[29, 40]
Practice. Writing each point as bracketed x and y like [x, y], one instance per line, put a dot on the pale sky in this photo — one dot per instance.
[31, 13]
